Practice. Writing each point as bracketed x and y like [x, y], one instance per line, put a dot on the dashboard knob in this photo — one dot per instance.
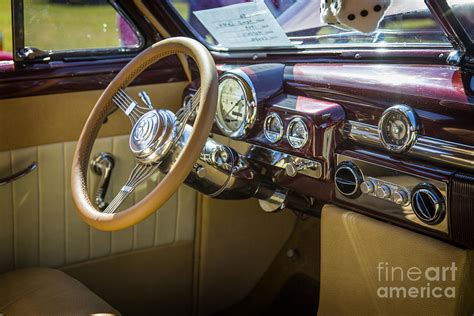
[383, 192]
[367, 187]
[200, 171]
[291, 169]
[400, 197]
[220, 156]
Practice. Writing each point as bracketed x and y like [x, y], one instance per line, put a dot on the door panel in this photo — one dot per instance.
[55, 118]
[39, 223]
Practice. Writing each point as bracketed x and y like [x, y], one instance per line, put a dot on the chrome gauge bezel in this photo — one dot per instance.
[412, 129]
[271, 136]
[288, 130]
[251, 104]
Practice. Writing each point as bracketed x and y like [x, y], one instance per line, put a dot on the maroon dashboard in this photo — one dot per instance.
[394, 142]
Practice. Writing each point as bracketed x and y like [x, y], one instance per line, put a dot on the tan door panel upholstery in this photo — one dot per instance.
[358, 251]
[55, 118]
[47, 292]
[39, 225]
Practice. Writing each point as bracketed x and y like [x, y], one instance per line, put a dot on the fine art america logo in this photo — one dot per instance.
[415, 282]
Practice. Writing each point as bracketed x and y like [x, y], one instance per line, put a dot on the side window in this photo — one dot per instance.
[5, 31]
[75, 25]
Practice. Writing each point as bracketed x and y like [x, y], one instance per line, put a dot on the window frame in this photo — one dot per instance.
[451, 25]
[168, 6]
[18, 26]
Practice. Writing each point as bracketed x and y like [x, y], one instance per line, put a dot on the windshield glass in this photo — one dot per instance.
[297, 24]
[464, 12]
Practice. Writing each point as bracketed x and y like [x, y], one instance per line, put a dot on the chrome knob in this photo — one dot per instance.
[200, 171]
[291, 169]
[400, 197]
[221, 156]
[383, 192]
[367, 187]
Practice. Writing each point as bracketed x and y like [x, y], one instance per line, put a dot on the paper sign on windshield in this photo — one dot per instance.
[244, 25]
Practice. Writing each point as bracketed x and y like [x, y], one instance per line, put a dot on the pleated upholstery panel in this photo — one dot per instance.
[39, 224]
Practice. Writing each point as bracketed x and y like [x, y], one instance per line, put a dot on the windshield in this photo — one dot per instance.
[297, 24]
[464, 12]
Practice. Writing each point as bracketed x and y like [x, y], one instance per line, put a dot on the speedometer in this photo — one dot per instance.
[236, 104]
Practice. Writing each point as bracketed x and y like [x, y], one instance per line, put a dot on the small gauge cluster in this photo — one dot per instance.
[296, 132]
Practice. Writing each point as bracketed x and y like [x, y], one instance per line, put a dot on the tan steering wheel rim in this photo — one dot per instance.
[187, 157]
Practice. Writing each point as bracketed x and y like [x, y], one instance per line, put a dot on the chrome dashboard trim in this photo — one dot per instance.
[282, 160]
[251, 98]
[396, 179]
[427, 148]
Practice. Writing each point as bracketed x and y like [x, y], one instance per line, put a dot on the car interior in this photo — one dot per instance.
[233, 157]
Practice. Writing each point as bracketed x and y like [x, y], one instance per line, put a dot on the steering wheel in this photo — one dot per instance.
[154, 135]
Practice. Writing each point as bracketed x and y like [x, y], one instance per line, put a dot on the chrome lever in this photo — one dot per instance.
[102, 165]
[145, 99]
[4, 181]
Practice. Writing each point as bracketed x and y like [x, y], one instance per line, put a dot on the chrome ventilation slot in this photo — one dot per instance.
[394, 194]
[348, 179]
[428, 204]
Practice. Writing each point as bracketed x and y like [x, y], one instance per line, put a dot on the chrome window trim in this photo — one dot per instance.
[427, 148]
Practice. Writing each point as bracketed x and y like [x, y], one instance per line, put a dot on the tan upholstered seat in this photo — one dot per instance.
[41, 291]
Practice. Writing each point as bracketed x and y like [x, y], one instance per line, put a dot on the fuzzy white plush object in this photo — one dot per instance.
[361, 15]
[326, 13]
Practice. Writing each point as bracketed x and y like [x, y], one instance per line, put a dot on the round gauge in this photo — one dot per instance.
[398, 128]
[235, 105]
[273, 128]
[297, 133]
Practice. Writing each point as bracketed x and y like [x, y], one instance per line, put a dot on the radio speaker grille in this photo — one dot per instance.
[462, 209]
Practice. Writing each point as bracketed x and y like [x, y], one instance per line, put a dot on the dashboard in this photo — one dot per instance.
[310, 137]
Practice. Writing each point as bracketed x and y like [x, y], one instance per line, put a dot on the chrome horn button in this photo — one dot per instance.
[153, 135]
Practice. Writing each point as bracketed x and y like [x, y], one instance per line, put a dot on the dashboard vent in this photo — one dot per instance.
[461, 209]
[348, 179]
[428, 203]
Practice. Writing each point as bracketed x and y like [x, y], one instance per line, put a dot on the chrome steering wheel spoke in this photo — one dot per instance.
[186, 112]
[139, 173]
[154, 134]
[132, 109]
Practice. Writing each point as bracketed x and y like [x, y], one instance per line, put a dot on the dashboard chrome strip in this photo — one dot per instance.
[426, 148]
[307, 167]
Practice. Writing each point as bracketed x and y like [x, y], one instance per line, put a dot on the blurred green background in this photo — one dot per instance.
[6, 25]
[57, 26]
